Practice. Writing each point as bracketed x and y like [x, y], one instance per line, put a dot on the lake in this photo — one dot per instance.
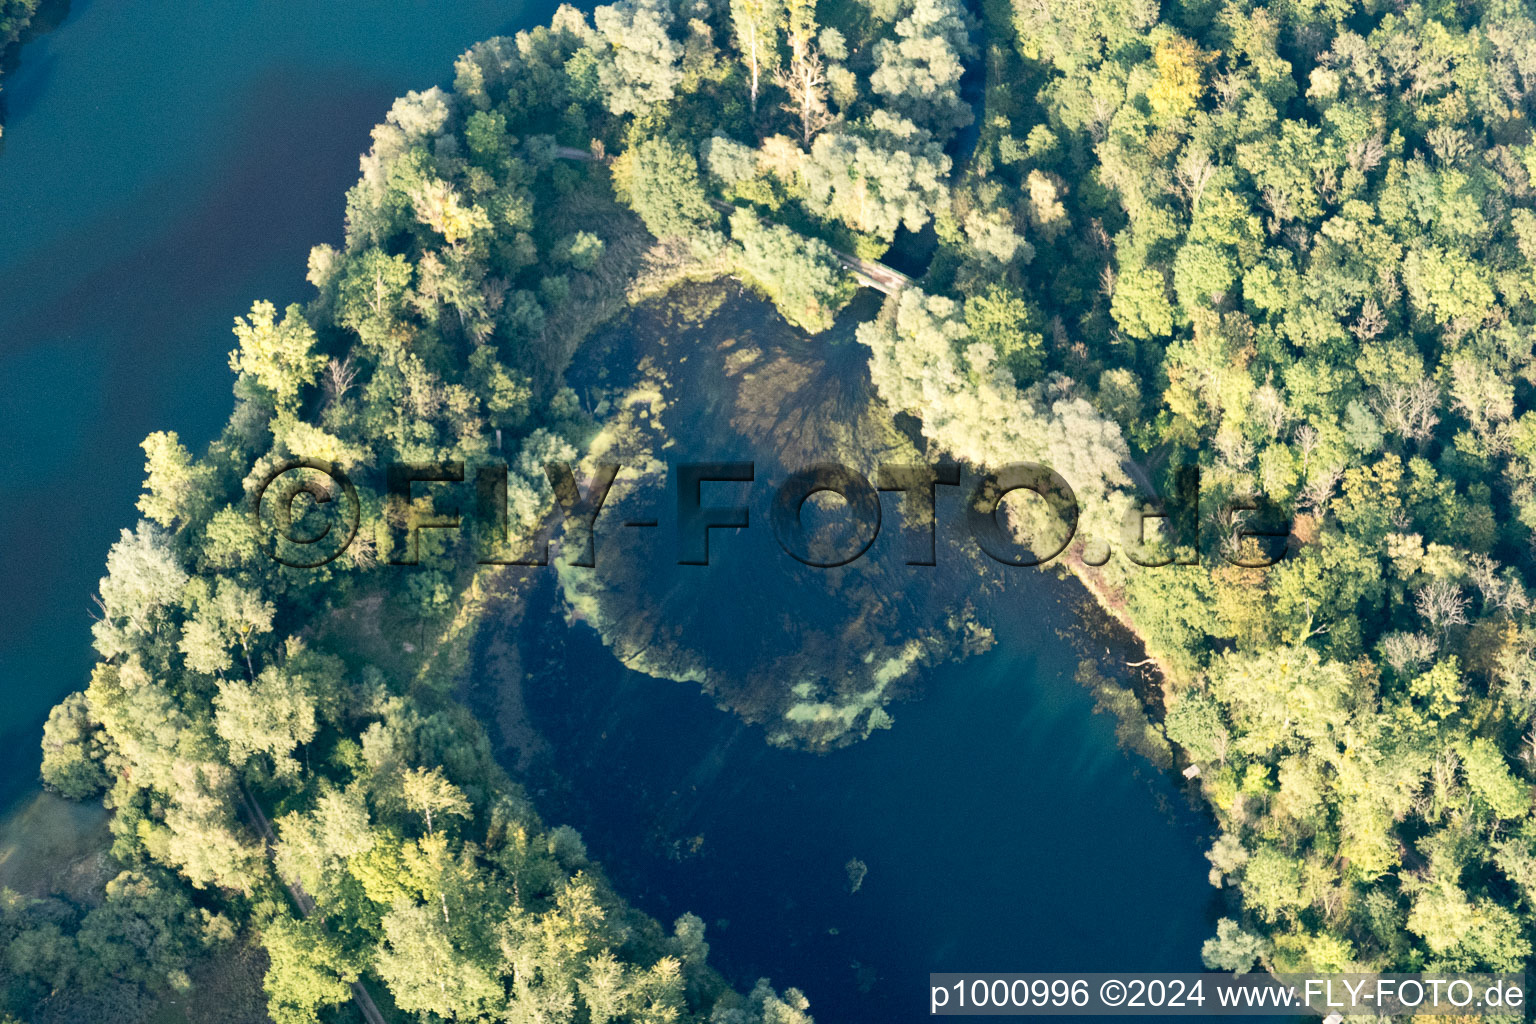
[1001, 827]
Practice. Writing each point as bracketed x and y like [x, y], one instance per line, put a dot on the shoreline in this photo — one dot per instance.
[1112, 602]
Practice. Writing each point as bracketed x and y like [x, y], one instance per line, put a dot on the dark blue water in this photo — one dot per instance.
[164, 165]
[1001, 826]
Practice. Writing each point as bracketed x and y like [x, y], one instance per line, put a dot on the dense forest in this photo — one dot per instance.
[1293, 244]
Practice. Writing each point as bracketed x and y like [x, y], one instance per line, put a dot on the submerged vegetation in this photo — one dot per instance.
[1291, 243]
[711, 370]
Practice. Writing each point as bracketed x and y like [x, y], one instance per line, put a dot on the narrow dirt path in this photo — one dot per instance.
[360, 995]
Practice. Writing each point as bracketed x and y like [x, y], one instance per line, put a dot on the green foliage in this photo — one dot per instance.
[279, 356]
[1490, 780]
[229, 616]
[1317, 288]
[1195, 724]
[801, 275]
[729, 162]
[175, 489]
[15, 15]
[1141, 306]
[758, 25]
[372, 292]
[659, 179]
[1232, 949]
[1001, 317]
[271, 715]
[469, 275]
[876, 178]
[427, 973]
[308, 971]
[144, 577]
[72, 750]
[639, 66]
[146, 931]
[582, 250]
[918, 73]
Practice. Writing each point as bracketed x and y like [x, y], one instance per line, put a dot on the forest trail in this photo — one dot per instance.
[360, 995]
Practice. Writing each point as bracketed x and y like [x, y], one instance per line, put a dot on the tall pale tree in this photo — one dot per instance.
[757, 36]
